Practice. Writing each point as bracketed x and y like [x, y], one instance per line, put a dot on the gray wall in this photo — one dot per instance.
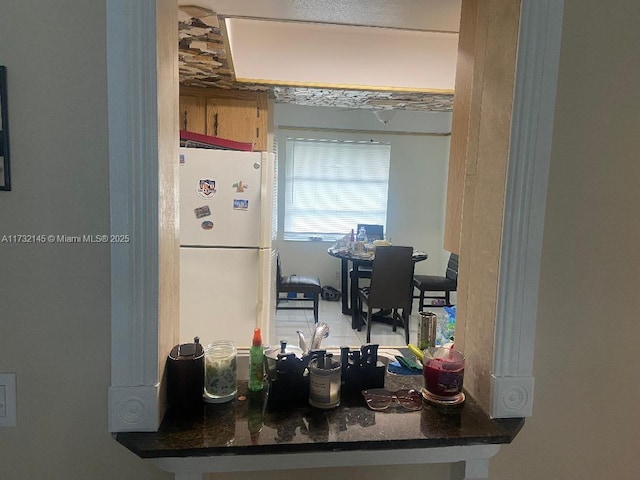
[54, 299]
[417, 182]
[585, 414]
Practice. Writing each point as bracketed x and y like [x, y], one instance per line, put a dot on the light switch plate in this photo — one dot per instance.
[8, 417]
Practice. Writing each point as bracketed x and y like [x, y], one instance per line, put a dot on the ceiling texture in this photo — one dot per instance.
[203, 62]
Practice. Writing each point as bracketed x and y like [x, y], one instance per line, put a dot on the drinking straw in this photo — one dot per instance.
[416, 351]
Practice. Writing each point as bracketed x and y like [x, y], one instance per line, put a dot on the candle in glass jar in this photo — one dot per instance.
[443, 371]
[220, 372]
[324, 382]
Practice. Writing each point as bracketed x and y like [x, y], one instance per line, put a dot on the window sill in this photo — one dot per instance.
[310, 238]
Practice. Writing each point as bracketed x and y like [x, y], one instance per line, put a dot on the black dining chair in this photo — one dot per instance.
[305, 285]
[374, 232]
[434, 283]
[391, 287]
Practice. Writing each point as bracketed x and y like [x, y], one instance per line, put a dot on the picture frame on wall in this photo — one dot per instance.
[5, 177]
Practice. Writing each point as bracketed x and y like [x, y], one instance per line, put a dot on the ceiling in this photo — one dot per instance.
[203, 54]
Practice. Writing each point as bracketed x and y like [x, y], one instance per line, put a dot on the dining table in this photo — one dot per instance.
[361, 265]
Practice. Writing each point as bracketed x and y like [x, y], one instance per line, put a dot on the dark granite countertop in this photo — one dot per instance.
[241, 428]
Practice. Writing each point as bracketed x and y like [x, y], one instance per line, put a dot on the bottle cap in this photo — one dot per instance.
[257, 338]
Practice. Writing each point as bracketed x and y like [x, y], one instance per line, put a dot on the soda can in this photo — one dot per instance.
[427, 324]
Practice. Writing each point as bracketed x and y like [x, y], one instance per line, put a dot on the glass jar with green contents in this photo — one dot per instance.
[220, 372]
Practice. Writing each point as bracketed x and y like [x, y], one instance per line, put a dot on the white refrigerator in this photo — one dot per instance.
[227, 264]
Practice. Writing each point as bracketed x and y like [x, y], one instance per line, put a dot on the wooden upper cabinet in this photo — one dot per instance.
[232, 119]
[192, 114]
[231, 114]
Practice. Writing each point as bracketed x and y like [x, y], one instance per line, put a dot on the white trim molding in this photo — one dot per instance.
[526, 190]
[132, 409]
[133, 180]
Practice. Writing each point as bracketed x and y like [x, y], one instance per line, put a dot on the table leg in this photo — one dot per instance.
[356, 321]
[344, 285]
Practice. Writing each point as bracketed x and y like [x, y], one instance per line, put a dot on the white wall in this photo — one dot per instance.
[417, 182]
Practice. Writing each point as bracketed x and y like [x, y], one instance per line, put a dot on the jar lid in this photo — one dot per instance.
[187, 351]
[221, 348]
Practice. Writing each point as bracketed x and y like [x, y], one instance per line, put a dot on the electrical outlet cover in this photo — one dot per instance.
[8, 417]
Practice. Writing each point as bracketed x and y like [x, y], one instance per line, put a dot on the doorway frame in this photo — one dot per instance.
[137, 357]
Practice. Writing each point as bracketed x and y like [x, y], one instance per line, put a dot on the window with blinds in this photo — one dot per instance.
[274, 219]
[331, 186]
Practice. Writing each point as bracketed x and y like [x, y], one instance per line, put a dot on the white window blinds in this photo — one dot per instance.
[331, 186]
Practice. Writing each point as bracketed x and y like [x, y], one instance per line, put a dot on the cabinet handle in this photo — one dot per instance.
[215, 125]
[185, 121]
[257, 132]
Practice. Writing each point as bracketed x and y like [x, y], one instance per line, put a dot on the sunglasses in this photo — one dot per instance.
[380, 399]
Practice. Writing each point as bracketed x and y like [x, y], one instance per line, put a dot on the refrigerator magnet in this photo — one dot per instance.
[207, 225]
[182, 159]
[240, 186]
[239, 204]
[206, 187]
[202, 211]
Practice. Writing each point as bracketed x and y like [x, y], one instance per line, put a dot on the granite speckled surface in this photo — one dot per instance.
[247, 425]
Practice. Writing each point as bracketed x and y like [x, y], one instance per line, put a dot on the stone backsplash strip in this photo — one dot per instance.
[375, 100]
[202, 57]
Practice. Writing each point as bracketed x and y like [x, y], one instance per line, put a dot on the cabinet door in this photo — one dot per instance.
[233, 119]
[193, 113]
[237, 115]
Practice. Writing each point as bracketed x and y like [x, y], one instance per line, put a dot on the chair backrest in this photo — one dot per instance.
[374, 232]
[392, 278]
[278, 270]
[452, 267]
